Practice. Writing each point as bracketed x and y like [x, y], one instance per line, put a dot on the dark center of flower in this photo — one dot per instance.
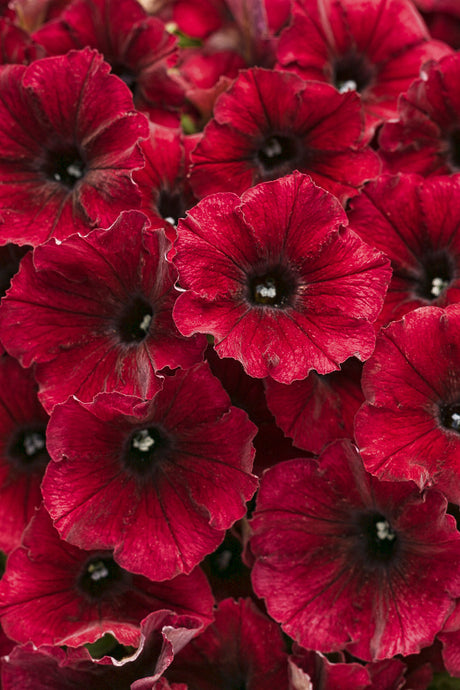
[65, 166]
[171, 206]
[10, 257]
[438, 272]
[453, 150]
[449, 416]
[380, 540]
[135, 320]
[274, 288]
[27, 449]
[144, 450]
[101, 578]
[352, 72]
[126, 75]
[277, 155]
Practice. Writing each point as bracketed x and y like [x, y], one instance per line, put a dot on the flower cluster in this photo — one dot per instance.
[229, 344]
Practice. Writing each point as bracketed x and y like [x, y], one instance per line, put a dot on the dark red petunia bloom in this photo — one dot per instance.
[344, 560]
[318, 409]
[270, 123]
[23, 454]
[163, 634]
[353, 45]
[98, 310]
[278, 279]
[241, 649]
[409, 428]
[416, 223]
[426, 137]
[137, 46]
[163, 181]
[54, 593]
[69, 145]
[172, 473]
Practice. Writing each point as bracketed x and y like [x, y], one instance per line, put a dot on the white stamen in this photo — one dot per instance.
[272, 148]
[97, 571]
[455, 421]
[145, 323]
[384, 530]
[438, 285]
[74, 170]
[266, 292]
[32, 443]
[143, 441]
[349, 85]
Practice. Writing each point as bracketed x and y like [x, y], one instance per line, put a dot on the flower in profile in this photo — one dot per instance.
[158, 481]
[23, 453]
[352, 45]
[241, 649]
[163, 184]
[278, 279]
[346, 561]
[162, 635]
[99, 310]
[416, 223]
[270, 123]
[69, 145]
[409, 426]
[426, 137]
[53, 593]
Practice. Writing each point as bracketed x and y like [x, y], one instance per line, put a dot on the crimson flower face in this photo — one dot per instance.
[69, 144]
[278, 279]
[416, 223]
[172, 474]
[23, 453]
[84, 594]
[409, 427]
[332, 41]
[99, 309]
[270, 123]
[346, 561]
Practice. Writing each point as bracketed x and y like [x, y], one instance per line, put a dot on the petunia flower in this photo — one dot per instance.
[99, 313]
[138, 48]
[163, 181]
[278, 279]
[163, 634]
[409, 426]
[158, 481]
[346, 561]
[352, 44]
[69, 145]
[23, 453]
[53, 593]
[416, 223]
[270, 123]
